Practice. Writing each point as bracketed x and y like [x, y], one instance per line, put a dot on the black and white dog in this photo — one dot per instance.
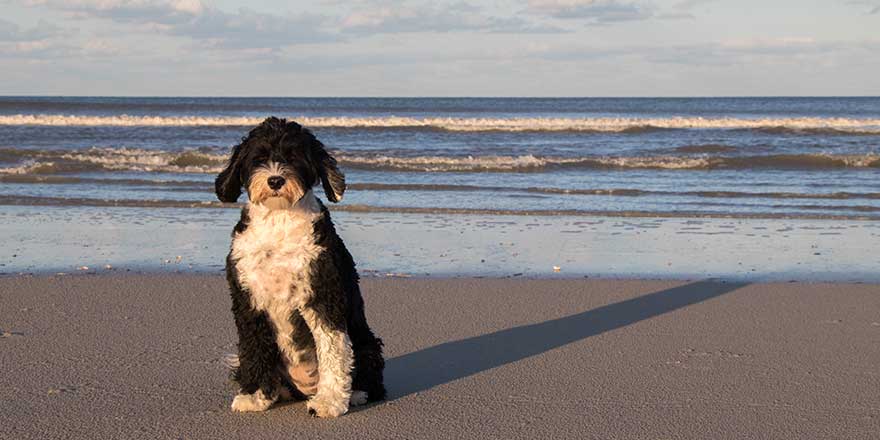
[298, 308]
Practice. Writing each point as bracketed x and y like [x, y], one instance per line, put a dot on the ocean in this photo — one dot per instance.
[522, 160]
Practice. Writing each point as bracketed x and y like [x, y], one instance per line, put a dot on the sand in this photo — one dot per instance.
[140, 356]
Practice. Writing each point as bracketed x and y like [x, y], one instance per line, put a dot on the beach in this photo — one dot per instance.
[570, 219]
[633, 268]
[141, 356]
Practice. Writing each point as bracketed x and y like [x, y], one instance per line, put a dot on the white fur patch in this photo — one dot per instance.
[275, 203]
[335, 363]
[251, 402]
[274, 256]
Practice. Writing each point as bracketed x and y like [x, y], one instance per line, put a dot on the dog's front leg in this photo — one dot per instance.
[258, 357]
[335, 363]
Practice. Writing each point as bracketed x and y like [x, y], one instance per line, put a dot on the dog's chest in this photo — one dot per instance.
[274, 257]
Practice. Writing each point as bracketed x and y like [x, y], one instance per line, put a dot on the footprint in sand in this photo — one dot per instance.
[10, 334]
[60, 390]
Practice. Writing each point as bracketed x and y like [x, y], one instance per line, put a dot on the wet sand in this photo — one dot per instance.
[48, 240]
[139, 356]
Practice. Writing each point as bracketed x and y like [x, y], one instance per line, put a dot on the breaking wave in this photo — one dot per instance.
[203, 186]
[531, 163]
[212, 161]
[806, 125]
[114, 159]
[617, 192]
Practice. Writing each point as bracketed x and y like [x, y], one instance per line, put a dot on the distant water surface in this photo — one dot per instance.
[720, 157]
[746, 188]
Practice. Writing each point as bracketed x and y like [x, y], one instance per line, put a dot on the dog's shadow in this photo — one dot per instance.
[424, 369]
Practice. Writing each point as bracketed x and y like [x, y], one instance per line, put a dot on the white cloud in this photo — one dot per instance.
[871, 7]
[249, 29]
[137, 11]
[54, 50]
[194, 19]
[405, 18]
[712, 53]
[686, 5]
[382, 17]
[676, 16]
[10, 31]
[597, 11]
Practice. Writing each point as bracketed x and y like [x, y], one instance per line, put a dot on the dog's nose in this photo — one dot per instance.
[276, 182]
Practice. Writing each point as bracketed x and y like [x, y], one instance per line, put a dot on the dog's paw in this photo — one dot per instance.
[358, 398]
[327, 407]
[251, 402]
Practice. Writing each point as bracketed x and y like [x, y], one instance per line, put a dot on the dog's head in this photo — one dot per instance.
[279, 159]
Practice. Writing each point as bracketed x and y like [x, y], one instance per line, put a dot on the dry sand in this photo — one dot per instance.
[139, 356]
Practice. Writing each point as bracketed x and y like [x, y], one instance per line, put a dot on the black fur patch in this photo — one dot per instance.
[258, 353]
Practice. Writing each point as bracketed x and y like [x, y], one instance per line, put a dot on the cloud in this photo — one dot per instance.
[247, 29]
[399, 17]
[712, 53]
[53, 50]
[676, 16]
[11, 32]
[42, 41]
[682, 10]
[194, 19]
[686, 5]
[402, 18]
[871, 7]
[517, 25]
[128, 11]
[596, 11]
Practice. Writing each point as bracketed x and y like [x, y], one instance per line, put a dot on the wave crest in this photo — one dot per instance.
[530, 163]
[212, 161]
[117, 159]
[807, 125]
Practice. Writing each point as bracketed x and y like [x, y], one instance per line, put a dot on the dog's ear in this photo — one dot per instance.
[332, 179]
[228, 182]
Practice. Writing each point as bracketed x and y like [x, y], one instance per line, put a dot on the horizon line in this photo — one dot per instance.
[440, 96]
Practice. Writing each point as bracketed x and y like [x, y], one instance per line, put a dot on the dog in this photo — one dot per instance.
[302, 330]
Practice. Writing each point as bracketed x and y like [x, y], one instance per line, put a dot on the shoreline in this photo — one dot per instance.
[135, 356]
[51, 240]
[62, 202]
[371, 276]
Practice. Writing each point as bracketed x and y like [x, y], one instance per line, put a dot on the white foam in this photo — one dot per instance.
[515, 163]
[124, 120]
[664, 162]
[535, 163]
[135, 159]
[443, 163]
[29, 167]
[122, 159]
[462, 124]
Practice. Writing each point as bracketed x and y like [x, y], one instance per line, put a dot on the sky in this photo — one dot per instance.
[433, 48]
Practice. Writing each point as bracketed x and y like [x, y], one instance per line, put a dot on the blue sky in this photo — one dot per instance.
[426, 48]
